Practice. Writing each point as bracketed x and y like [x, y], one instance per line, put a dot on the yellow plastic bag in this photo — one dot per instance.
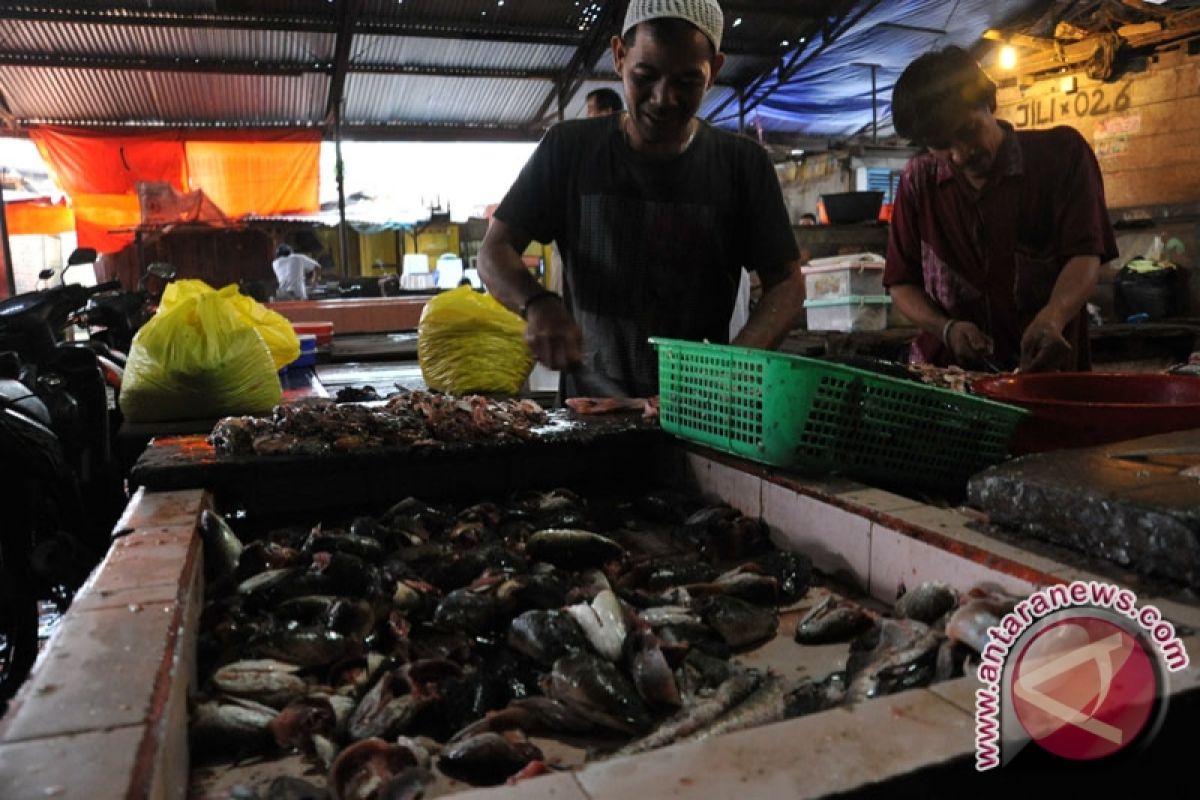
[275, 328]
[198, 358]
[468, 343]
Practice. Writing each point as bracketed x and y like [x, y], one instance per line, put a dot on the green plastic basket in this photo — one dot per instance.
[818, 417]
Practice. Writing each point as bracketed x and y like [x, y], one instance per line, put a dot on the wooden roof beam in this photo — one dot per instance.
[347, 16]
[580, 65]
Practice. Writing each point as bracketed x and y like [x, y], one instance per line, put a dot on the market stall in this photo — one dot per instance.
[348, 548]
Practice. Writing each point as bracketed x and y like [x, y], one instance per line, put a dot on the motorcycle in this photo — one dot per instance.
[56, 465]
[113, 318]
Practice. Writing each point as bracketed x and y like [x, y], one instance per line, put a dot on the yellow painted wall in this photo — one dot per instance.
[379, 252]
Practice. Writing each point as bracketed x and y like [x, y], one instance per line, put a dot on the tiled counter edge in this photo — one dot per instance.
[108, 695]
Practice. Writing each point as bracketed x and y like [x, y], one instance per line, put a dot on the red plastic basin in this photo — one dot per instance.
[1082, 409]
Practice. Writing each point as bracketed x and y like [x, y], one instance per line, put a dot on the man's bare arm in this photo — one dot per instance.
[967, 344]
[501, 268]
[777, 311]
[550, 333]
[1042, 343]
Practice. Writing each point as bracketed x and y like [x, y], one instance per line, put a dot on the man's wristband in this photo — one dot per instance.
[946, 331]
[533, 298]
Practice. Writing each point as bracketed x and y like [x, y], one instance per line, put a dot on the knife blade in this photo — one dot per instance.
[1146, 455]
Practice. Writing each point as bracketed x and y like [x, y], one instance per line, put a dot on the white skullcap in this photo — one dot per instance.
[704, 14]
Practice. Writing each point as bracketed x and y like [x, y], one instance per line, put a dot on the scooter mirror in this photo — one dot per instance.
[45, 274]
[162, 270]
[82, 255]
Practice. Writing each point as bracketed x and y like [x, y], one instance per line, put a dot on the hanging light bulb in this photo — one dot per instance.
[1008, 57]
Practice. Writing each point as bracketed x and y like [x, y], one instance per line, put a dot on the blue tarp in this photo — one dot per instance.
[831, 96]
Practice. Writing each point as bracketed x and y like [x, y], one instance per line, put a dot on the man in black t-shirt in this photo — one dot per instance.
[655, 214]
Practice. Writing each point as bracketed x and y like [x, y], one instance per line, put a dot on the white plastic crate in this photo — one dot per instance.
[855, 313]
[859, 275]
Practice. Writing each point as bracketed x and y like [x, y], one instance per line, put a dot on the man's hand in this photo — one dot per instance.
[968, 344]
[552, 335]
[1043, 348]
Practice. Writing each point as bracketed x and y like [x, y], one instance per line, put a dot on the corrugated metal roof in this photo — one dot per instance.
[376, 99]
[543, 14]
[78, 38]
[80, 95]
[222, 44]
[191, 6]
[373, 49]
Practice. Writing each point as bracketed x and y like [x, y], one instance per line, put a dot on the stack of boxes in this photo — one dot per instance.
[845, 293]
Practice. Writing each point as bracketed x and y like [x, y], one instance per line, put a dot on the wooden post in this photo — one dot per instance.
[340, 170]
[9, 287]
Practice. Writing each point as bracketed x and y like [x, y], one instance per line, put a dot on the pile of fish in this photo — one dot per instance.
[437, 637]
[954, 378]
[647, 406]
[410, 419]
[932, 635]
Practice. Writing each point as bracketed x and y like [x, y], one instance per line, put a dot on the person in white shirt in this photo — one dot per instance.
[293, 271]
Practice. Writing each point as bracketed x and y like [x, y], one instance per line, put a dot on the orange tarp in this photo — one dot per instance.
[242, 172]
[38, 217]
[256, 178]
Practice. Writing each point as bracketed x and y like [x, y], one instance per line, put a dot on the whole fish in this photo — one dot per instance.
[267, 681]
[487, 759]
[970, 622]
[466, 610]
[651, 674]
[545, 636]
[904, 657]
[698, 713]
[363, 547]
[833, 620]
[768, 703]
[603, 623]
[232, 724]
[222, 547]
[572, 549]
[306, 646]
[739, 623]
[927, 603]
[668, 615]
[595, 689]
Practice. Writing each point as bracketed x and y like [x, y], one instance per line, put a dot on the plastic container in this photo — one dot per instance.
[843, 277]
[819, 417]
[848, 208]
[308, 351]
[416, 264]
[322, 330]
[1085, 409]
[854, 313]
[418, 282]
[449, 271]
